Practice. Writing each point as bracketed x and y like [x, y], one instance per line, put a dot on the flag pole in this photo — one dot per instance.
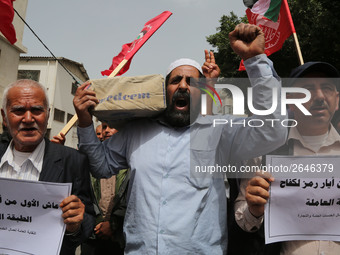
[298, 49]
[297, 45]
[74, 119]
[118, 68]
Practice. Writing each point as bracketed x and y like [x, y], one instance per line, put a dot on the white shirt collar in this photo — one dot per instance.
[331, 138]
[36, 156]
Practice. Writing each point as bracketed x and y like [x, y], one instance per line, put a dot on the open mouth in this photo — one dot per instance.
[181, 102]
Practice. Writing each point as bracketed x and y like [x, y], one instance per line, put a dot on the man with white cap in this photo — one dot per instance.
[171, 210]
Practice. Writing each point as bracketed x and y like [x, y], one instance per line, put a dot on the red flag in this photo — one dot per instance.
[130, 49]
[6, 19]
[117, 59]
[275, 32]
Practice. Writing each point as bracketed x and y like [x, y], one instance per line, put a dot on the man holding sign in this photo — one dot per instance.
[313, 135]
[29, 156]
[171, 209]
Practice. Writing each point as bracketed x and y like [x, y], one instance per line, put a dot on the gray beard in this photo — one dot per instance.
[176, 118]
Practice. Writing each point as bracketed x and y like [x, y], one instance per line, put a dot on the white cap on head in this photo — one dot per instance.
[184, 62]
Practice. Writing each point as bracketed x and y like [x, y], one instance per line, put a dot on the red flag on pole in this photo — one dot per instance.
[6, 19]
[274, 17]
[130, 49]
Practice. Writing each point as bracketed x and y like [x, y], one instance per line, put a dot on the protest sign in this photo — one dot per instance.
[30, 216]
[303, 205]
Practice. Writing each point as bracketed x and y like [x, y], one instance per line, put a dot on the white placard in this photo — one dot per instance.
[303, 208]
[30, 216]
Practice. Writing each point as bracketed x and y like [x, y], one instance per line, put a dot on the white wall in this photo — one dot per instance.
[63, 100]
[9, 54]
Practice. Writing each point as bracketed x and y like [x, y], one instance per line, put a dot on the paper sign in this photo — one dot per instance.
[30, 216]
[303, 208]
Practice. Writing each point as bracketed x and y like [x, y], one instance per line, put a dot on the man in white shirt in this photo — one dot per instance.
[29, 156]
[313, 135]
[170, 210]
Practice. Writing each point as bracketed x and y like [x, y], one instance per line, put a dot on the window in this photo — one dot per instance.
[59, 115]
[74, 88]
[227, 109]
[69, 116]
[29, 74]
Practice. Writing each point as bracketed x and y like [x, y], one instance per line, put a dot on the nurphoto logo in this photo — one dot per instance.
[279, 99]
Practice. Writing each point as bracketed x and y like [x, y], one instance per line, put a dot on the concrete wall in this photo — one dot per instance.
[9, 54]
[63, 100]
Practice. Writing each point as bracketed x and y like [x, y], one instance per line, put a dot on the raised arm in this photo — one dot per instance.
[247, 40]
[210, 68]
[83, 101]
[211, 71]
[263, 131]
[105, 159]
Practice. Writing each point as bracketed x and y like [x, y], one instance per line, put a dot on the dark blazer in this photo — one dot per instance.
[63, 164]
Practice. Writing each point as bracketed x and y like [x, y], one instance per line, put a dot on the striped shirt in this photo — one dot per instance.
[29, 169]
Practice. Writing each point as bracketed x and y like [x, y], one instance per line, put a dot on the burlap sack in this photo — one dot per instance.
[126, 98]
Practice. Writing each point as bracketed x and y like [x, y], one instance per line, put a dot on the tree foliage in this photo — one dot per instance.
[317, 23]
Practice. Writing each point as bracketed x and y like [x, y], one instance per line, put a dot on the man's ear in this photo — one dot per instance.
[3, 117]
[337, 101]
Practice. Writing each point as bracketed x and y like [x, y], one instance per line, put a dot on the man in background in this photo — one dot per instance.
[99, 132]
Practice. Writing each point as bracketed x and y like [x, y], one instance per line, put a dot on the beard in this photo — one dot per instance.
[180, 118]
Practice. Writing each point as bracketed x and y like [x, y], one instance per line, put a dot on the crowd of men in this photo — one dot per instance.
[169, 209]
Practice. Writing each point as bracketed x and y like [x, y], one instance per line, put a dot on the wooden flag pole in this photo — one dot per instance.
[298, 49]
[118, 68]
[297, 45]
[74, 119]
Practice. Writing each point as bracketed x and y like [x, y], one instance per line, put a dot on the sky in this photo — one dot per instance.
[93, 32]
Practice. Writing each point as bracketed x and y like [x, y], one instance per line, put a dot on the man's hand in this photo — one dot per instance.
[83, 101]
[210, 68]
[103, 230]
[211, 72]
[247, 40]
[73, 213]
[257, 193]
[59, 139]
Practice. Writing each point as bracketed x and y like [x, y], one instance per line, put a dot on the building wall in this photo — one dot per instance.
[10, 54]
[9, 61]
[47, 75]
[63, 100]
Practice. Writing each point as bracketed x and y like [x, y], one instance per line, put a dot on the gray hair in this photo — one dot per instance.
[24, 83]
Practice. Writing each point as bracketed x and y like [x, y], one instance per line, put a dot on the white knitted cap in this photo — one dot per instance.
[184, 62]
